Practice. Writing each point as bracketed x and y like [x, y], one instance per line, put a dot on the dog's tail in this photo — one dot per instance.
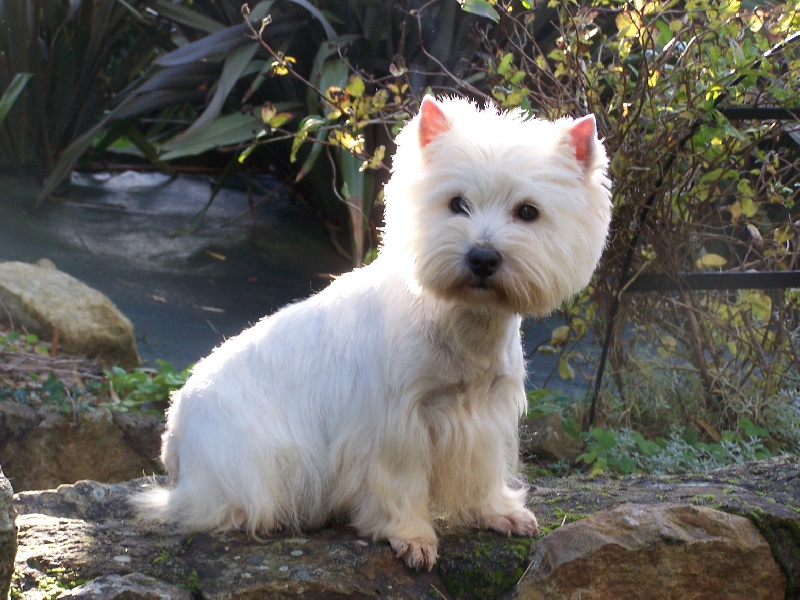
[183, 508]
[155, 502]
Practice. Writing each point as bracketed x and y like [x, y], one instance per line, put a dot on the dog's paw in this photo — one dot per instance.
[520, 522]
[417, 554]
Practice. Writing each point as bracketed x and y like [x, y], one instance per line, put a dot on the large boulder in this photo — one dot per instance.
[736, 527]
[42, 446]
[55, 305]
[8, 535]
[682, 551]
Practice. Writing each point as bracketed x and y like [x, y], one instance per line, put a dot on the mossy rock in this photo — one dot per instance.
[481, 564]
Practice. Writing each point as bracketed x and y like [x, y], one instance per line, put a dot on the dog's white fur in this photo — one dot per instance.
[400, 386]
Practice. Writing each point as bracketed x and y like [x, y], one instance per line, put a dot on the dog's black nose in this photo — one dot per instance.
[483, 262]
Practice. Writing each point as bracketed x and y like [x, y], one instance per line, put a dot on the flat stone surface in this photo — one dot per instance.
[74, 534]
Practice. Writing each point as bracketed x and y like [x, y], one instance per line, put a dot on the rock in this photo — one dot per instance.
[43, 447]
[682, 551]
[766, 492]
[8, 535]
[142, 434]
[82, 532]
[44, 300]
[544, 438]
[126, 587]
[71, 536]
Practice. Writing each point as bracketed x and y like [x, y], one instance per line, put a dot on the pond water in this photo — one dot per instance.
[184, 294]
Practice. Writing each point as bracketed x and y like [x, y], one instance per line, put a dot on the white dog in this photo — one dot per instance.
[398, 389]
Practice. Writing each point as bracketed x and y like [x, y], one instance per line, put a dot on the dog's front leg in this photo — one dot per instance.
[394, 503]
[506, 513]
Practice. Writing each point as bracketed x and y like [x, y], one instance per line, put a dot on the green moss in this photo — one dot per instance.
[53, 582]
[783, 536]
[481, 564]
[169, 566]
[564, 517]
[192, 583]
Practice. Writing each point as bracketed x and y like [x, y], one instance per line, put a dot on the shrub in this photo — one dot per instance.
[694, 191]
[77, 54]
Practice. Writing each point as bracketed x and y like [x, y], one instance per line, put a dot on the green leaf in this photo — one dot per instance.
[226, 130]
[330, 32]
[309, 124]
[325, 51]
[12, 92]
[481, 8]
[186, 16]
[220, 43]
[505, 63]
[234, 67]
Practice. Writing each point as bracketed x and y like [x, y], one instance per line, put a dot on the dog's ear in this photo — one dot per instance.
[581, 136]
[432, 121]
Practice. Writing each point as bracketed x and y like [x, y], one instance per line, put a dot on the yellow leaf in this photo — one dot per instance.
[783, 234]
[760, 304]
[268, 111]
[625, 25]
[669, 342]
[711, 260]
[355, 86]
[559, 336]
[736, 211]
[279, 119]
[565, 370]
[749, 208]
[712, 433]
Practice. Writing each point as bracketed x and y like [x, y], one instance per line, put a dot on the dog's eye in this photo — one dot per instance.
[527, 212]
[459, 206]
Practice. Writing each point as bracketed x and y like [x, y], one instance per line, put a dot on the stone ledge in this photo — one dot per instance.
[78, 533]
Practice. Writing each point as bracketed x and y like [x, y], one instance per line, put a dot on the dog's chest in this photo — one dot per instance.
[466, 371]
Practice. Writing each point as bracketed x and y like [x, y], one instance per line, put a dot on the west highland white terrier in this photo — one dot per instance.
[399, 387]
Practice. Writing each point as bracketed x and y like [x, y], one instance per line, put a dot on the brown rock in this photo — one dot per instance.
[544, 438]
[42, 448]
[667, 551]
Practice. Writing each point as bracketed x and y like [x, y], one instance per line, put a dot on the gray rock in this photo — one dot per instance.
[8, 535]
[44, 300]
[135, 586]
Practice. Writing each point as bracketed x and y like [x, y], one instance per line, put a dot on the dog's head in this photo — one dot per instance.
[495, 208]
